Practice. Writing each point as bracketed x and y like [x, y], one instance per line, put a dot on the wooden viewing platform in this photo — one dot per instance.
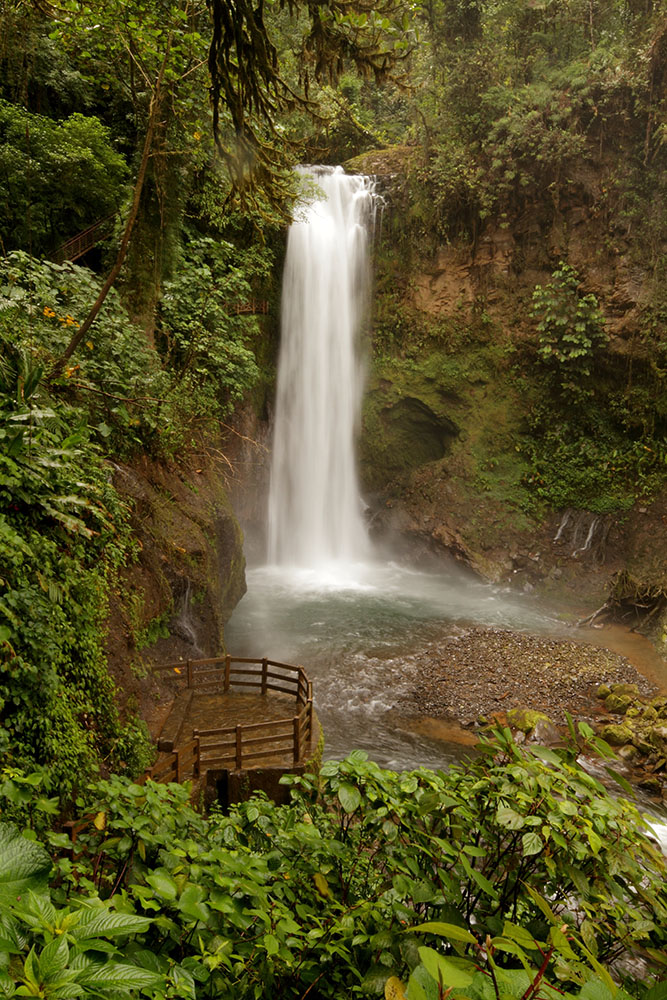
[235, 691]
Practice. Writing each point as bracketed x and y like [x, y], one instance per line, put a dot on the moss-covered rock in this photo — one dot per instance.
[173, 602]
[618, 703]
[526, 719]
[625, 689]
[616, 735]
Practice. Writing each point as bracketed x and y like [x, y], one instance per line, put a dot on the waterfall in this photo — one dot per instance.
[315, 515]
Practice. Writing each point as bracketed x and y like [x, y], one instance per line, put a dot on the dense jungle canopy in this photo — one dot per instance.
[172, 130]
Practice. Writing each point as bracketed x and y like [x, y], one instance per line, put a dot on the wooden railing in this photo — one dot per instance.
[82, 242]
[241, 745]
[181, 763]
[252, 306]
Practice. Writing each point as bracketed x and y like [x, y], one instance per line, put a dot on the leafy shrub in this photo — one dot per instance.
[204, 331]
[513, 872]
[59, 177]
[571, 329]
[63, 533]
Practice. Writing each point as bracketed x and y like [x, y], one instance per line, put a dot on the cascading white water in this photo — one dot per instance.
[315, 515]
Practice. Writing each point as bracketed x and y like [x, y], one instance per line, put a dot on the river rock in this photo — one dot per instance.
[625, 689]
[650, 784]
[616, 735]
[658, 736]
[618, 703]
[603, 691]
[525, 719]
[547, 733]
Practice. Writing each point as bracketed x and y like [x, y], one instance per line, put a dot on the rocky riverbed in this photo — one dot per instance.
[485, 672]
[479, 675]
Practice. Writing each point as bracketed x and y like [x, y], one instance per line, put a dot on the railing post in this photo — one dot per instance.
[228, 668]
[264, 677]
[297, 739]
[190, 684]
[310, 723]
[196, 770]
[239, 747]
[178, 766]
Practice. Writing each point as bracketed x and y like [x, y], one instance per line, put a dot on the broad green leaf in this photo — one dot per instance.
[99, 922]
[421, 986]
[481, 880]
[509, 818]
[594, 840]
[560, 942]
[546, 754]
[595, 990]
[116, 975]
[542, 904]
[657, 992]
[443, 969]
[192, 905]
[54, 959]
[271, 944]
[520, 935]
[349, 797]
[450, 931]
[531, 843]
[163, 882]
[24, 865]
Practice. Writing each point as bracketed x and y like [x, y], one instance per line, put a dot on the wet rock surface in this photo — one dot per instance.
[482, 673]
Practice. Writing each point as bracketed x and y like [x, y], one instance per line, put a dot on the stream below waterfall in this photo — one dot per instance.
[357, 629]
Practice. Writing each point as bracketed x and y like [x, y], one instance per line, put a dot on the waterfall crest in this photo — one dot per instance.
[315, 515]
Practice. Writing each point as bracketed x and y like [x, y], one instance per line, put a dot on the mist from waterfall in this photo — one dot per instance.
[315, 514]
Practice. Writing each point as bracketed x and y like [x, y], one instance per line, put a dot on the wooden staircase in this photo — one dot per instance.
[80, 244]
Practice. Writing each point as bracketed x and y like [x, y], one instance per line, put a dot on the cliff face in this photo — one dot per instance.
[173, 602]
[446, 441]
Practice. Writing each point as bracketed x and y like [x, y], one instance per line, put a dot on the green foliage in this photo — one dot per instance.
[514, 869]
[117, 379]
[516, 104]
[24, 865]
[204, 331]
[59, 952]
[63, 533]
[571, 330]
[58, 177]
[22, 796]
[597, 441]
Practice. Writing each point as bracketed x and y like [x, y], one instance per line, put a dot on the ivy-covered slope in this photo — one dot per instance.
[106, 539]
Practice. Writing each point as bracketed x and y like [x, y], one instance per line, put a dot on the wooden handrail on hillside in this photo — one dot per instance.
[78, 245]
[252, 306]
[241, 745]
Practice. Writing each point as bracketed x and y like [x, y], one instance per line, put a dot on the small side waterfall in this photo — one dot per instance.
[315, 515]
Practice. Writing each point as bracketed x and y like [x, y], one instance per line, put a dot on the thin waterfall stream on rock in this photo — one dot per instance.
[314, 504]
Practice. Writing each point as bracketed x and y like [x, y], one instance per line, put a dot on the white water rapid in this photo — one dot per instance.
[315, 511]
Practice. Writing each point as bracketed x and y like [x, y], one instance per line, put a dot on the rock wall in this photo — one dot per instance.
[173, 601]
[446, 410]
